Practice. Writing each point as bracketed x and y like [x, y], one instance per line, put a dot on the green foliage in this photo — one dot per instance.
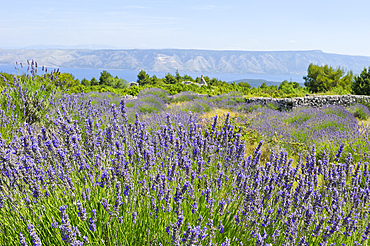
[361, 85]
[173, 85]
[170, 79]
[143, 78]
[117, 83]
[104, 78]
[94, 82]
[325, 78]
[5, 77]
[76, 89]
[288, 87]
[285, 89]
[188, 78]
[85, 82]
[245, 85]
[178, 77]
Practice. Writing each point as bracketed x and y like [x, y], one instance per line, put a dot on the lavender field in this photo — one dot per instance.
[95, 169]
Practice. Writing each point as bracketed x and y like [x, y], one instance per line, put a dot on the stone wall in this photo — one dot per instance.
[310, 101]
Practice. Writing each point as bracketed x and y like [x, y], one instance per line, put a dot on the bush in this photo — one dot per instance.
[164, 95]
[184, 96]
[361, 85]
[26, 100]
[359, 111]
[147, 103]
[325, 78]
[195, 106]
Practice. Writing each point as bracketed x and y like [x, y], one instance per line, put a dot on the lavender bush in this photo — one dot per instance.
[164, 95]
[360, 111]
[25, 99]
[195, 106]
[185, 96]
[327, 127]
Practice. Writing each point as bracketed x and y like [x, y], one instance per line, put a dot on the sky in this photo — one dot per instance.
[339, 26]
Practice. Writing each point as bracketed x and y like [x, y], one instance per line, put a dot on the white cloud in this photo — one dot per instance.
[292, 41]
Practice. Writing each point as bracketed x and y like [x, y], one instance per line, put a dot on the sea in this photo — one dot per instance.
[131, 75]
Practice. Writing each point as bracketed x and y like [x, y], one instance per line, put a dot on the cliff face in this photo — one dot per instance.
[237, 62]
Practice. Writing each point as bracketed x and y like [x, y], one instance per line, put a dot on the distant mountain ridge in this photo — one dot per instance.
[258, 82]
[211, 61]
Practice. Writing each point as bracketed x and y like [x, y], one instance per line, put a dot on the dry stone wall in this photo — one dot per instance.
[310, 101]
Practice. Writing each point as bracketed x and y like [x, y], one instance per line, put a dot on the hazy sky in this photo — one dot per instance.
[333, 26]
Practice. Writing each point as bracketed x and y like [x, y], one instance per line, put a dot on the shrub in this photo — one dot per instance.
[361, 85]
[359, 111]
[195, 106]
[147, 103]
[184, 96]
[25, 100]
[164, 95]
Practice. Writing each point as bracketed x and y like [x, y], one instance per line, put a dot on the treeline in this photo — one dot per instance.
[322, 79]
[171, 83]
[319, 79]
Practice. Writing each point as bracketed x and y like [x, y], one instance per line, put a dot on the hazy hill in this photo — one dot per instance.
[258, 82]
[236, 62]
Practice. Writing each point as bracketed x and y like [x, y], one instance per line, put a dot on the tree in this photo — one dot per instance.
[170, 79]
[104, 78]
[325, 78]
[244, 84]
[143, 78]
[263, 86]
[187, 78]
[361, 85]
[85, 82]
[156, 81]
[93, 81]
[178, 76]
[118, 83]
[288, 87]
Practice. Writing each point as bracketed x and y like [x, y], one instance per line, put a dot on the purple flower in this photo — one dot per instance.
[92, 221]
[22, 239]
[34, 237]
[81, 211]
[221, 227]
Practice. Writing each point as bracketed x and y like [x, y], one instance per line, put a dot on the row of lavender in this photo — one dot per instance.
[90, 175]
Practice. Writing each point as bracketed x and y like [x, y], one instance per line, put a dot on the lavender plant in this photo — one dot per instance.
[26, 99]
[327, 127]
[195, 106]
[164, 95]
[359, 111]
